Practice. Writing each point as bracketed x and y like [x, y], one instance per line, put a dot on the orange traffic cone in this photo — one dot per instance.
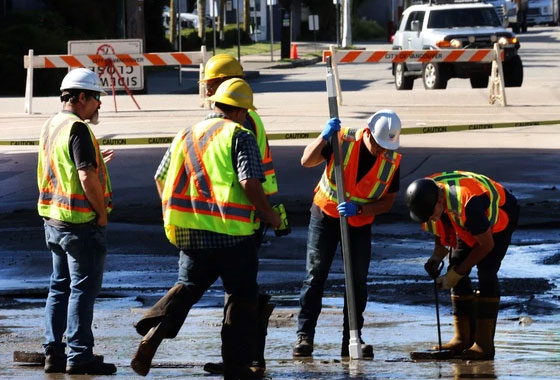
[293, 51]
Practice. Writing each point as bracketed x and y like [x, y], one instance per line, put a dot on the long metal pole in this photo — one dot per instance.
[238, 35]
[437, 314]
[354, 346]
[271, 30]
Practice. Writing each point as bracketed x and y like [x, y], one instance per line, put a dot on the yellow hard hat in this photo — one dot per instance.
[222, 66]
[235, 92]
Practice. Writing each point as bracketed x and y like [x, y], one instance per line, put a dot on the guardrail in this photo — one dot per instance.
[496, 81]
[31, 62]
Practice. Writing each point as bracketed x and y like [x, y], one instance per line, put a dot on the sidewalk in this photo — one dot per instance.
[167, 82]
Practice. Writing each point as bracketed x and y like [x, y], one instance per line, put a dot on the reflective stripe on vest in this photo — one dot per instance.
[61, 195]
[193, 200]
[255, 124]
[459, 186]
[379, 178]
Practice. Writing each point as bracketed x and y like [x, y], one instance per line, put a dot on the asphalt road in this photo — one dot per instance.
[525, 159]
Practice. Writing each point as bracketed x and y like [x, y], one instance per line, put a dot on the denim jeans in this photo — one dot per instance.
[322, 241]
[78, 259]
[237, 267]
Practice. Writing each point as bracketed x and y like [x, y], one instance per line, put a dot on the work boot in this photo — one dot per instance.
[259, 365]
[256, 369]
[483, 347]
[93, 367]
[303, 346]
[55, 363]
[264, 312]
[142, 360]
[463, 320]
[367, 350]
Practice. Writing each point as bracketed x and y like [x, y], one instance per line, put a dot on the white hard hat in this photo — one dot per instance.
[385, 126]
[82, 79]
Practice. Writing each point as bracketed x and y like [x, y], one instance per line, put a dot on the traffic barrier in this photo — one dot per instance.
[309, 134]
[31, 62]
[496, 81]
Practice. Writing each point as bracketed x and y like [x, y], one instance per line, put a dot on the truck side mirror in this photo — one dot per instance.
[415, 26]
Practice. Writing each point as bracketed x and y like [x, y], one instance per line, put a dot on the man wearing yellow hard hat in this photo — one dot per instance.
[218, 69]
[211, 192]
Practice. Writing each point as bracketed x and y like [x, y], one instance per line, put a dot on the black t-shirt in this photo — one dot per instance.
[82, 151]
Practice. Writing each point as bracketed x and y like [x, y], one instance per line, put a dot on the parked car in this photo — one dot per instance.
[506, 10]
[454, 26]
[188, 20]
[543, 12]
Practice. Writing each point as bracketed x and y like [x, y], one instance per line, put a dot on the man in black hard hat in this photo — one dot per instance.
[476, 216]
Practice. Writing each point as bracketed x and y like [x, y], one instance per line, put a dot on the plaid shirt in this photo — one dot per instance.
[247, 163]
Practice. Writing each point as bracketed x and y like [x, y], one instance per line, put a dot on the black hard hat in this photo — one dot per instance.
[421, 198]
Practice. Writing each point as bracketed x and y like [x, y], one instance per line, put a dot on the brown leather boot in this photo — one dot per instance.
[483, 347]
[463, 320]
[142, 360]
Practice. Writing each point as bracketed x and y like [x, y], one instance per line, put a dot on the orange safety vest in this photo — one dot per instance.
[459, 187]
[372, 186]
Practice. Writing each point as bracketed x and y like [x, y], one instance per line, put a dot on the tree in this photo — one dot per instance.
[201, 8]
[246, 15]
[172, 26]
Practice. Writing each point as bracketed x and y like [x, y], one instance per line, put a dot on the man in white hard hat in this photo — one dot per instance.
[371, 182]
[74, 201]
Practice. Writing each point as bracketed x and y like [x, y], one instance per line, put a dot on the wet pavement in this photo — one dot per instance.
[400, 316]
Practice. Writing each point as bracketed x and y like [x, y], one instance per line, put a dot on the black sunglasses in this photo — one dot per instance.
[95, 95]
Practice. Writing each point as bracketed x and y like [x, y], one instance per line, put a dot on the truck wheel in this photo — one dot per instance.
[513, 72]
[434, 77]
[402, 82]
[479, 81]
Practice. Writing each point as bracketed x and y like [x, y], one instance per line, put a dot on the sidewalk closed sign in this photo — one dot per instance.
[131, 76]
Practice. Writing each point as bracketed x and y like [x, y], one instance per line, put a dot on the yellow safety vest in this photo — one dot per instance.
[202, 190]
[61, 195]
[270, 185]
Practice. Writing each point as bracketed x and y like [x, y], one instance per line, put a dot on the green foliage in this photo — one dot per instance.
[154, 30]
[191, 42]
[366, 30]
[45, 33]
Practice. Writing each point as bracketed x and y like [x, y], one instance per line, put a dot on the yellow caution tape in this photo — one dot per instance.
[310, 135]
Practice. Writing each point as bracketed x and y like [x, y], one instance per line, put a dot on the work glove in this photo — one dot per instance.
[332, 126]
[450, 280]
[433, 266]
[347, 209]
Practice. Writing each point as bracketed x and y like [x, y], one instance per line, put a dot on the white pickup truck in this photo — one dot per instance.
[543, 12]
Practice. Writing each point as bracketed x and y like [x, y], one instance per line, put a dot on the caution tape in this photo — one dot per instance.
[310, 135]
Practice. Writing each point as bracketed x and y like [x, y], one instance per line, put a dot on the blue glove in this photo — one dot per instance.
[347, 209]
[332, 126]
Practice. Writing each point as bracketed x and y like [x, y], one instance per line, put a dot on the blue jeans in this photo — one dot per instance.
[322, 241]
[78, 258]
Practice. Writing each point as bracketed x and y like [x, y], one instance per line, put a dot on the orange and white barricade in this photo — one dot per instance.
[31, 62]
[497, 91]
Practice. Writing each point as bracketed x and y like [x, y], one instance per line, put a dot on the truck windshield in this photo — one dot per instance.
[465, 17]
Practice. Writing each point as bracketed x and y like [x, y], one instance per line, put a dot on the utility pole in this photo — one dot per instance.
[347, 24]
